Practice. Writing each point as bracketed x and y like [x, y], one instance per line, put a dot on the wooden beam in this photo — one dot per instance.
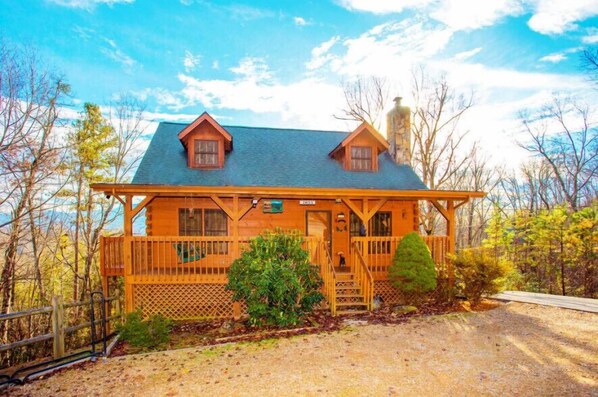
[460, 203]
[376, 207]
[119, 199]
[148, 199]
[440, 209]
[128, 216]
[288, 192]
[231, 214]
[243, 211]
[354, 208]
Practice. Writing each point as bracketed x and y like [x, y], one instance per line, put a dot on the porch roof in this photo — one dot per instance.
[288, 192]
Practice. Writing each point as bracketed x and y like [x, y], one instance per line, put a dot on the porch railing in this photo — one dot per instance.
[328, 274]
[378, 252]
[181, 258]
[112, 259]
[363, 276]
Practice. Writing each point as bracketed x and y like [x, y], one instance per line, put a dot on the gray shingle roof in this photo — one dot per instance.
[268, 157]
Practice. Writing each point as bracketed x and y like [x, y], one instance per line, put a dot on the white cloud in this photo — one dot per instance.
[215, 65]
[382, 6]
[320, 55]
[548, 16]
[392, 49]
[88, 4]
[299, 21]
[474, 14]
[462, 56]
[191, 61]
[591, 37]
[559, 16]
[252, 69]
[117, 55]
[554, 58]
[304, 102]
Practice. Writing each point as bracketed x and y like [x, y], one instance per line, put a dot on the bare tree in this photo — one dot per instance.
[472, 219]
[439, 151]
[589, 60]
[571, 151]
[29, 98]
[365, 99]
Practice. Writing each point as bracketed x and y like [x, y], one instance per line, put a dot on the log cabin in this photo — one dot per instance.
[206, 189]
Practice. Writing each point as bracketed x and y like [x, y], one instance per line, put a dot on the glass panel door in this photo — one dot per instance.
[318, 224]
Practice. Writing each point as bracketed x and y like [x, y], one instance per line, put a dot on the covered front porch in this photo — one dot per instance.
[184, 276]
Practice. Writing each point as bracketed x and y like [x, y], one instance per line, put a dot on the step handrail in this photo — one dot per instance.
[329, 277]
[363, 276]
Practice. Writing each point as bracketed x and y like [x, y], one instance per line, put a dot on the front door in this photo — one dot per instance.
[319, 224]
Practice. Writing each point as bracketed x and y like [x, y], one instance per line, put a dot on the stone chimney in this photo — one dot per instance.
[398, 124]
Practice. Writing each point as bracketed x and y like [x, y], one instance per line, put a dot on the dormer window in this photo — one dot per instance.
[206, 153]
[359, 151]
[361, 158]
[206, 143]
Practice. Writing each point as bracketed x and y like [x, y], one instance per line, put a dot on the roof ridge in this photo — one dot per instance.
[263, 128]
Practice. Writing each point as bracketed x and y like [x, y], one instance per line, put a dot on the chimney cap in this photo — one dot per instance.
[397, 101]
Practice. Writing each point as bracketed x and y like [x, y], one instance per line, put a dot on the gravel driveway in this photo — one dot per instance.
[516, 349]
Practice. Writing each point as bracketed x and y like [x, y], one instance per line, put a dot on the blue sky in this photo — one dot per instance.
[281, 63]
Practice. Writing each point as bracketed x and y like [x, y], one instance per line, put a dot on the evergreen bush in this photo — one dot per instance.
[276, 280]
[412, 271]
[145, 333]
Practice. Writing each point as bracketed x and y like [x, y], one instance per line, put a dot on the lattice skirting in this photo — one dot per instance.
[184, 301]
[389, 294]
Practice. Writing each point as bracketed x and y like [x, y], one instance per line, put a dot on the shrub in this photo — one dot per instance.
[149, 333]
[412, 270]
[478, 273]
[275, 279]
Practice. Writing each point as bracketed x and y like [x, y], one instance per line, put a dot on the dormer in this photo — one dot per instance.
[206, 143]
[360, 150]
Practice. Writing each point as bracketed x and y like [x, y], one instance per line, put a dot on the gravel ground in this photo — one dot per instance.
[516, 349]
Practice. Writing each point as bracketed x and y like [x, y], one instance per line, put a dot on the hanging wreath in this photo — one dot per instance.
[341, 225]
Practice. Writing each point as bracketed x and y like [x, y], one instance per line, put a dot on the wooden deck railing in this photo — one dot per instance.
[182, 258]
[112, 260]
[363, 276]
[379, 251]
[178, 259]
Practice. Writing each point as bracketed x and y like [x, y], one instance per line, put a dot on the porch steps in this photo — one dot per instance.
[349, 298]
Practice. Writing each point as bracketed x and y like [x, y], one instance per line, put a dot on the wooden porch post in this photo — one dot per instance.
[450, 232]
[127, 251]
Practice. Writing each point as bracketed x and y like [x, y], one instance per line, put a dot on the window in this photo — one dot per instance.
[379, 225]
[214, 222]
[361, 158]
[190, 223]
[206, 153]
[205, 222]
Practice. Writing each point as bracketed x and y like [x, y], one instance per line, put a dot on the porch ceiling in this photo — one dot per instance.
[287, 192]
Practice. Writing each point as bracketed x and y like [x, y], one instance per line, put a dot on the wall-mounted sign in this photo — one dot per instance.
[307, 202]
[272, 206]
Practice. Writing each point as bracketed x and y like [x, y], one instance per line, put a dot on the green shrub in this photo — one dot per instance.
[275, 279]
[478, 273]
[412, 270]
[145, 333]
